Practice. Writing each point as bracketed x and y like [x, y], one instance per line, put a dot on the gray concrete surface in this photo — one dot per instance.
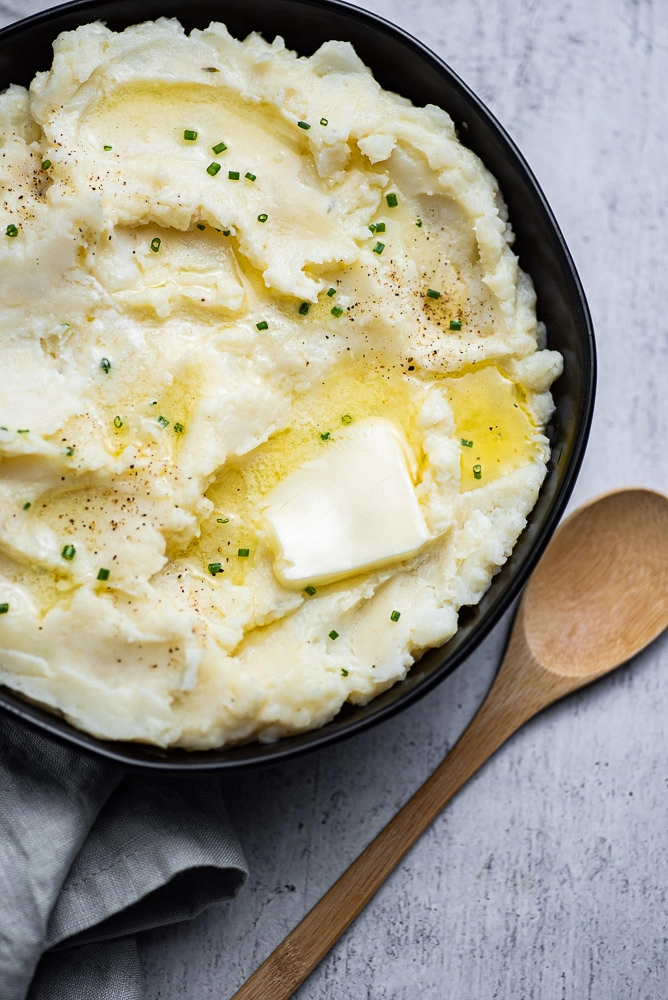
[547, 877]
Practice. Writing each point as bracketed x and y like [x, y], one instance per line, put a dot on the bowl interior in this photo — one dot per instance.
[402, 64]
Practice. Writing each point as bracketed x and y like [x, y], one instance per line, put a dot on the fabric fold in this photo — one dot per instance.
[89, 856]
[107, 971]
[50, 797]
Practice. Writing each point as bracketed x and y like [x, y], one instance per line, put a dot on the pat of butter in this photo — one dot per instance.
[354, 508]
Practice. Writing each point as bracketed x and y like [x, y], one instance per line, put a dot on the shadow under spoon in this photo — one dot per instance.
[597, 597]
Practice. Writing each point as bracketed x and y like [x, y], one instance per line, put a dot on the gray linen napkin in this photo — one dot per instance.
[89, 856]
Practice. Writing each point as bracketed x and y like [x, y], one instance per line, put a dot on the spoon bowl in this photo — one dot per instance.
[588, 607]
[598, 596]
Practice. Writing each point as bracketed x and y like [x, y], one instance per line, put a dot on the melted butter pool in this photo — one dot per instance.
[488, 413]
[156, 114]
[495, 433]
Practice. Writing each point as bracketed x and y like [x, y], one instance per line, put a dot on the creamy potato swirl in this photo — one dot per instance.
[224, 271]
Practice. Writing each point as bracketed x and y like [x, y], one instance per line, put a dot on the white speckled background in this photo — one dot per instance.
[547, 877]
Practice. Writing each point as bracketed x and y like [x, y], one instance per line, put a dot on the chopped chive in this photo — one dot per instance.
[263, 217]
[11, 230]
[418, 223]
[155, 244]
[372, 228]
[304, 308]
[391, 200]
[337, 311]
[118, 422]
[250, 177]
[344, 672]
[190, 135]
[213, 168]
[107, 149]
[163, 421]
[103, 574]
[25, 430]
[346, 419]
[331, 292]
[27, 505]
[201, 226]
[303, 125]
[433, 294]
[379, 247]
[222, 520]
[395, 616]
[310, 591]
[333, 634]
[220, 147]
[466, 443]
[262, 325]
[477, 471]
[46, 164]
[4, 608]
[69, 450]
[68, 552]
[323, 121]
[455, 324]
[105, 365]
[226, 232]
[178, 428]
[380, 227]
[232, 174]
[326, 436]
[215, 568]
[243, 553]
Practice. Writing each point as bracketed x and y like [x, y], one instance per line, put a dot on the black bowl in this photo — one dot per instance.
[402, 64]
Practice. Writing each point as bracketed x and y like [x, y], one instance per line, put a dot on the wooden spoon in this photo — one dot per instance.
[598, 596]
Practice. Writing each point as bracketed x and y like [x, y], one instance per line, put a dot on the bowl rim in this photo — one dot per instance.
[257, 755]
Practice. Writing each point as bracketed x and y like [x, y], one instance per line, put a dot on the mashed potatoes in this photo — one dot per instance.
[273, 393]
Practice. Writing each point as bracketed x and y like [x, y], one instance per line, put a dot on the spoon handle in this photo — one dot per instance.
[503, 711]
